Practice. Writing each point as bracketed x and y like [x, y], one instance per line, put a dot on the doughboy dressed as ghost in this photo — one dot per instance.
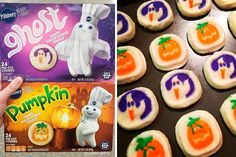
[88, 126]
[84, 43]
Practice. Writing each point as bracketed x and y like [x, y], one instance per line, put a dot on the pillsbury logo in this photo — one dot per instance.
[8, 15]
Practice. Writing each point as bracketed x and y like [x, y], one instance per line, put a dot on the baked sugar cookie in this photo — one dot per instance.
[228, 112]
[220, 70]
[131, 64]
[125, 27]
[226, 4]
[180, 88]
[194, 8]
[155, 15]
[40, 133]
[168, 52]
[137, 108]
[151, 143]
[206, 36]
[232, 22]
[198, 134]
[43, 57]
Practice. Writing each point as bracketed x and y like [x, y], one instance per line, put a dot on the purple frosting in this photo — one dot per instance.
[182, 77]
[137, 96]
[201, 5]
[121, 18]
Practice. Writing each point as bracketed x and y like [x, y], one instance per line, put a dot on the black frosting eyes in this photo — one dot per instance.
[80, 26]
[90, 27]
[88, 18]
[94, 103]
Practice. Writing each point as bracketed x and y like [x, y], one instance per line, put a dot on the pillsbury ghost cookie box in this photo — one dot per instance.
[60, 117]
[57, 42]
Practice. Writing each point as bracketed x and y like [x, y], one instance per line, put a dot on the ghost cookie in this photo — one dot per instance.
[206, 36]
[228, 112]
[43, 57]
[198, 134]
[131, 64]
[220, 70]
[180, 88]
[137, 108]
[151, 143]
[125, 27]
[40, 133]
[226, 4]
[168, 52]
[232, 22]
[191, 8]
[155, 15]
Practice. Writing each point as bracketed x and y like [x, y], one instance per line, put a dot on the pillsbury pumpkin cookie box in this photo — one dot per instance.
[60, 117]
[57, 42]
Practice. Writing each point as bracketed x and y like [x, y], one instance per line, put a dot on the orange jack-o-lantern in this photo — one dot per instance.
[149, 147]
[199, 133]
[65, 117]
[168, 49]
[125, 62]
[233, 107]
[40, 132]
[207, 33]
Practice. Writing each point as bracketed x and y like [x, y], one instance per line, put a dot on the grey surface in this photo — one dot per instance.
[211, 99]
[65, 154]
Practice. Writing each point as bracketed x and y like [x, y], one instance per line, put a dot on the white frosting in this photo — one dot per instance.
[182, 137]
[155, 24]
[232, 22]
[184, 8]
[227, 113]
[123, 117]
[206, 48]
[226, 4]
[172, 64]
[183, 88]
[128, 35]
[158, 135]
[214, 77]
[140, 65]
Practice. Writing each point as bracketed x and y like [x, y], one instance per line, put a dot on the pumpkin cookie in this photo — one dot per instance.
[226, 4]
[131, 64]
[151, 143]
[43, 57]
[220, 70]
[40, 133]
[228, 112]
[137, 108]
[194, 8]
[168, 52]
[180, 88]
[125, 27]
[206, 36]
[155, 15]
[198, 134]
[232, 22]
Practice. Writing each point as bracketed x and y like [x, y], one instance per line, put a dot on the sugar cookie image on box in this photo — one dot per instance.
[194, 8]
[40, 133]
[226, 4]
[232, 22]
[180, 88]
[155, 15]
[151, 143]
[43, 57]
[220, 70]
[137, 108]
[228, 112]
[168, 52]
[131, 64]
[125, 27]
[198, 134]
[206, 36]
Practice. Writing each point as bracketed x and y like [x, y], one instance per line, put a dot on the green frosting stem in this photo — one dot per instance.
[121, 52]
[142, 144]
